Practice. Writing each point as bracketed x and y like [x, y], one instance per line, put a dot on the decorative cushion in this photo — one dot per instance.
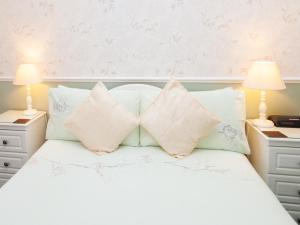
[100, 122]
[228, 104]
[177, 120]
[63, 101]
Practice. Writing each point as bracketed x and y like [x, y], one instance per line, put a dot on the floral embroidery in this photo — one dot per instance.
[60, 104]
[103, 169]
[147, 159]
[230, 133]
[57, 168]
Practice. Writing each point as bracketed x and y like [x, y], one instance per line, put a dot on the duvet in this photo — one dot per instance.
[65, 184]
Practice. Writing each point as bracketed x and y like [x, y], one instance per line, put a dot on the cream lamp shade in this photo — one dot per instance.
[264, 75]
[27, 74]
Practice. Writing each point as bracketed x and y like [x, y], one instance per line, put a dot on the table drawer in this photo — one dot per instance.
[291, 207]
[284, 160]
[295, 215]
[4, 178]
[3, 181]
[8, 170]
[12, 141]
[11, 161]
[287, 188]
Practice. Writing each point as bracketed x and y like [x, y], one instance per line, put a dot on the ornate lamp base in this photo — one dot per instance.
[29, 111]
[262, 121]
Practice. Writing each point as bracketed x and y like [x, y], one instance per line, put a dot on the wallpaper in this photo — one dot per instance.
[148, 38]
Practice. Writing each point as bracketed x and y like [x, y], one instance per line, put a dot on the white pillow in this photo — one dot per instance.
[177, 120]
[63, 101]
[228, 104]
[100, 122]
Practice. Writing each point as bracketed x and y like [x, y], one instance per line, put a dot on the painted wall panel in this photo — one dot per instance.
[284, 102]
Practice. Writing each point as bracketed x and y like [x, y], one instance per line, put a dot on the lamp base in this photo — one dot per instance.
[263, 123]
[30, 112]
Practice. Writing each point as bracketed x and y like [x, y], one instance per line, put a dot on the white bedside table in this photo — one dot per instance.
[19, 141]
[277, 160]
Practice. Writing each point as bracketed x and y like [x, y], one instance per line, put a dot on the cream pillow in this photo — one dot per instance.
[100, 122]
[177, 120]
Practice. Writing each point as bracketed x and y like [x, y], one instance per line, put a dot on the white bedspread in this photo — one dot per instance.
[64, 184]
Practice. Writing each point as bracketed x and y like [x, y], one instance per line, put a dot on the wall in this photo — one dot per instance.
[279, 102]
[134, 38]
[91, 39]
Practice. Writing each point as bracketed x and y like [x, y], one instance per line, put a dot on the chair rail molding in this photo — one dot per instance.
[192, 79]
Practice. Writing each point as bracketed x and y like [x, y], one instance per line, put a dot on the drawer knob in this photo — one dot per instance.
[4, 142]
[6, 164]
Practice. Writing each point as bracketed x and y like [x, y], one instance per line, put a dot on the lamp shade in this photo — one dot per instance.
[27, 74]
[264, 75]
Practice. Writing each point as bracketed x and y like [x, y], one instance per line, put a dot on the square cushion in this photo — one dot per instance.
[64, 100]
[100, 122]
[177, 120]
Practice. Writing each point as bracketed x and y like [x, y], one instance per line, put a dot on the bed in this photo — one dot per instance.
[65, 184]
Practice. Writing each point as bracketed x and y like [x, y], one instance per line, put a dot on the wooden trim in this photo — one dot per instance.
[152, 79]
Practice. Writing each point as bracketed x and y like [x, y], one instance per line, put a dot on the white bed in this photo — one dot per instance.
[64, 184]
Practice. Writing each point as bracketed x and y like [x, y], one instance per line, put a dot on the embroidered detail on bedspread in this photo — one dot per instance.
[58, 168]
[208, 168]
[147, 159]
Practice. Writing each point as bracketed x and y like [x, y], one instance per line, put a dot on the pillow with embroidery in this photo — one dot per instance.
[228, 104]
[64, 100]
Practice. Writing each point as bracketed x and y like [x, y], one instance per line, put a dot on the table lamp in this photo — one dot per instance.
[27, 74]
[263, 75]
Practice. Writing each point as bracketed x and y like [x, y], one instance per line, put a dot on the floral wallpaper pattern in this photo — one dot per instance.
[115, 38]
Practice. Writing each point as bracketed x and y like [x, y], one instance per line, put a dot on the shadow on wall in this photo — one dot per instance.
[279, 102]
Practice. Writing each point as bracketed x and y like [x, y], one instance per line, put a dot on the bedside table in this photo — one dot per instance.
[277, 161]
[19, 141]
